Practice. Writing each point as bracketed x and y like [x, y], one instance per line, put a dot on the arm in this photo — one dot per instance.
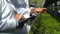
[6, 22]
[26, 11]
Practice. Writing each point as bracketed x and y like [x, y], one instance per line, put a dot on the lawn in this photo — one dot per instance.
[37, 3]
[45, 23]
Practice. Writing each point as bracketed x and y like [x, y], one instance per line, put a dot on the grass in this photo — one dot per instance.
[45, 24]
[37, 3]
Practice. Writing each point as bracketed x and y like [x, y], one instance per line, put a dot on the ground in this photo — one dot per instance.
[45, 23]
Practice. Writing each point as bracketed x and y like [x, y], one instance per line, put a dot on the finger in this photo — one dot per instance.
[44, 8]
[35, 13]
[38, 9]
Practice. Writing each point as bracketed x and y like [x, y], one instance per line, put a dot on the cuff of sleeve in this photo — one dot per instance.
[27, 13]
[17, 24]
[32, 8]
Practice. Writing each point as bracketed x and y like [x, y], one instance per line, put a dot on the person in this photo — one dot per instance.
[11, 12]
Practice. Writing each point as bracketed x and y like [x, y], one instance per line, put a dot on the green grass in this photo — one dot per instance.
[45, 24]
[37, 3]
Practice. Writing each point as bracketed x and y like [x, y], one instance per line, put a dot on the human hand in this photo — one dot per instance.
[38, 10]
[18, 17]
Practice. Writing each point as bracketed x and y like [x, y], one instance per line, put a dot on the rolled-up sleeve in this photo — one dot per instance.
[24, 11]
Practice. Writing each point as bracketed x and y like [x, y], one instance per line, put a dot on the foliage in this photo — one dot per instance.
[37, 3]
[45, 24]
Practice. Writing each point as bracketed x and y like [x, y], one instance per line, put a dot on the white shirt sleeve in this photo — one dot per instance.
[6, 22]
[25, 10]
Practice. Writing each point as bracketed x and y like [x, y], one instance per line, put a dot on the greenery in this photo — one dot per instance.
[45, 24]
[37, 3]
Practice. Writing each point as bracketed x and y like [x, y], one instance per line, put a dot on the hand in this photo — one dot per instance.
[18, 16]
[38, 10]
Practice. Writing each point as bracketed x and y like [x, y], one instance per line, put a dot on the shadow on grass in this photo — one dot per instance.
[54, 14]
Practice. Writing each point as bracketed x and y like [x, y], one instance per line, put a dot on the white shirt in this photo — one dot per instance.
[22, 7]
[8, 11]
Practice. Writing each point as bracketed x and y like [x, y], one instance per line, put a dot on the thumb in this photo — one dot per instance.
[18, 16]
[44, 8]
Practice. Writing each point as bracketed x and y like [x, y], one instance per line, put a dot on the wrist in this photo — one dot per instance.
[18, 17]
[32, 11]
[17, 25]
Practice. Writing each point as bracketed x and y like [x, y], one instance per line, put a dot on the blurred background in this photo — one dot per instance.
[47, 22]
